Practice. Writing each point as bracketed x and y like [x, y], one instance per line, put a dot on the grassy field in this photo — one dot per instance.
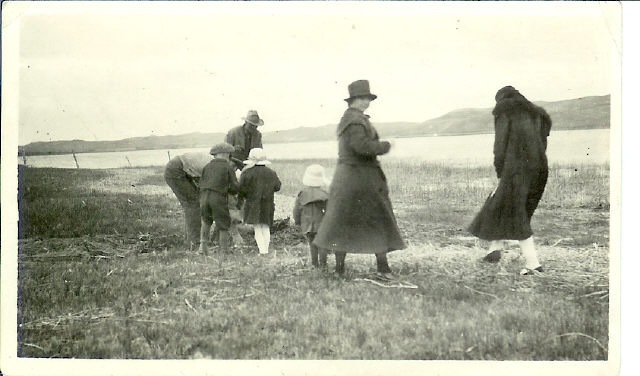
[103, 274]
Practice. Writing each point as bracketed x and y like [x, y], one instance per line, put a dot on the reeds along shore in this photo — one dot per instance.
[102, 274]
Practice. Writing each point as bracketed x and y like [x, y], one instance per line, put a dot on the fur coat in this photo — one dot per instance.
[520, 161]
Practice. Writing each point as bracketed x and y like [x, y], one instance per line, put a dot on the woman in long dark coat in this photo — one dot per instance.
[520, 161]
[359, 216]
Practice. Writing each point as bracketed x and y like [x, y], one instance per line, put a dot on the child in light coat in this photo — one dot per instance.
[309, 209]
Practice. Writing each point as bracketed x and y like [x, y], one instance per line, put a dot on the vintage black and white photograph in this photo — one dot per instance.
[319, 181]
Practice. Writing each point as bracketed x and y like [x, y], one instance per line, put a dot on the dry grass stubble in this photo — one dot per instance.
[91, 286]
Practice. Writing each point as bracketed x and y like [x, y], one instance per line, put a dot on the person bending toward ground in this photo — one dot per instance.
[182, 175]
[521, 131]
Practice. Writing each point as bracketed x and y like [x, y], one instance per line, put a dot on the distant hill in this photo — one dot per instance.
[582, 113]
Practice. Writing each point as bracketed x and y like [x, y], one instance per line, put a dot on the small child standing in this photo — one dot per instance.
[257, 186]
[309, 209]
[217, 182]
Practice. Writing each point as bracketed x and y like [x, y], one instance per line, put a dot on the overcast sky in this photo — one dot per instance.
[103, 71]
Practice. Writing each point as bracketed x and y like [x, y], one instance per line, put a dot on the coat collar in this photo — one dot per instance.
[352, 116]
[312, 194]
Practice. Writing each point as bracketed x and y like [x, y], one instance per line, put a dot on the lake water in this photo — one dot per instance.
[564, 147]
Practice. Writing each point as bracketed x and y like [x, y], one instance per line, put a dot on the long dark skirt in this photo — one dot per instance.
[507, 214]
[359, 216]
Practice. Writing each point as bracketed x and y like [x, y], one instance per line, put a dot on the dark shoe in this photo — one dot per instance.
[492, 257]
[386, 276]
[382, 263]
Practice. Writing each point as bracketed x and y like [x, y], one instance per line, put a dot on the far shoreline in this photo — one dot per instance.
[19, 154]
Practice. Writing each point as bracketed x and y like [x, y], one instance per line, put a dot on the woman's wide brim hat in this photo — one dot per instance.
[222, 147]
[314, 176]
[253, 118]
[257, 157]
[360, 88]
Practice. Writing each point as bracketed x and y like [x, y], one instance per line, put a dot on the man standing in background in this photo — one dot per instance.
[245, 137]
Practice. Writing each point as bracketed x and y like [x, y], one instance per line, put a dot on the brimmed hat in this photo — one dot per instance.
[257, 157]
[360, 88]
[314, 176]
[253, 118]
[222, 147]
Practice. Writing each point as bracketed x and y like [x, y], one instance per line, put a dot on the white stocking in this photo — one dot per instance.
[496, 245]
[258, 235]
[262, 238]
[266, 235]
[529, 252]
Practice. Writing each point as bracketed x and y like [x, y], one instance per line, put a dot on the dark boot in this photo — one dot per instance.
[322, 259]
[314, 256]
[224, 240]
[204, 237]
[312, 248]
[215, 236]
[382, 264]
[340, 256]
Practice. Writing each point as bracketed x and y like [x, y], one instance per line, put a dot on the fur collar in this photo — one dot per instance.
[517, 102]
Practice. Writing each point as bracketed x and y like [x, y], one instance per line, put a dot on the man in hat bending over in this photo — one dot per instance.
[245, 137]
[182, 174]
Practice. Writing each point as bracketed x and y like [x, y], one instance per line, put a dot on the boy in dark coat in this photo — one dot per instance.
[257, 186]
[309, 209]
[217, 182]
[520, 161]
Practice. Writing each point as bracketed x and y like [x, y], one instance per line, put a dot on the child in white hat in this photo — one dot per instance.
[258, 183]
[309, 209]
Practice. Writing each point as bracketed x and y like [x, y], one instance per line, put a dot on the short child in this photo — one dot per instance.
[258, 183]
[309, 209]
[217, 182]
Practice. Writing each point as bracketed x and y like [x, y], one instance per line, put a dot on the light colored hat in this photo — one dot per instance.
[222, 147]
[314, 176]
[253, 118]
[257, 157]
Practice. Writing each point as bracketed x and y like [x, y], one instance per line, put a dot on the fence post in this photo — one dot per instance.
[169, 154]
[128, 160]
[75, 159]
[24, 159]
